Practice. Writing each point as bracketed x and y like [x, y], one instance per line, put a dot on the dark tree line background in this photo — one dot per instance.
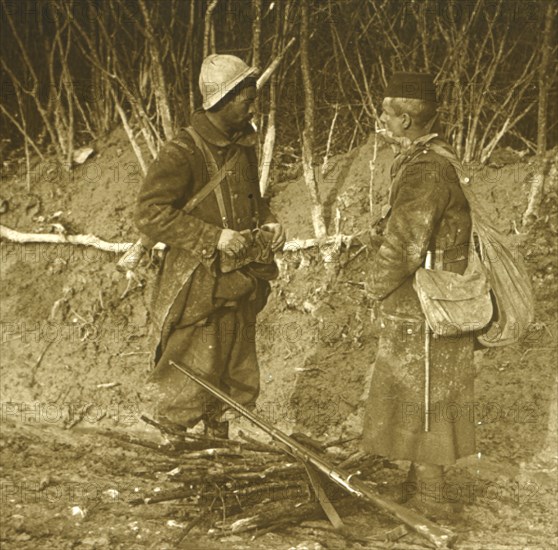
[74, 69]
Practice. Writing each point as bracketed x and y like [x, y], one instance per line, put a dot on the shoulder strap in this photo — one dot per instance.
[211, 166]
[216, 176]
[452, 158]
[208, 157]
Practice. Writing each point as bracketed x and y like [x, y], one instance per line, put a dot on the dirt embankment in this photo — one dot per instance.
[66, 328]
[75, 350]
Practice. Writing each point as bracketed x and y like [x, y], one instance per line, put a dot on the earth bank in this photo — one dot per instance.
[75, 349]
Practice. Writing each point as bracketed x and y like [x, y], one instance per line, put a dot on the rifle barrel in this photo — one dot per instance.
[440, 537]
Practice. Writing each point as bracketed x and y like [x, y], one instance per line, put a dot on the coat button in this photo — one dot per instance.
[235, 196]
[238, 220]
[409, 331]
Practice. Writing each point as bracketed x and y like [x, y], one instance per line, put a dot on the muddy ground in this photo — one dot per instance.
[75, 351]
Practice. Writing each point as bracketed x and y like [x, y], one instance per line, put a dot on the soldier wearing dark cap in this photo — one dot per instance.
[428, 212]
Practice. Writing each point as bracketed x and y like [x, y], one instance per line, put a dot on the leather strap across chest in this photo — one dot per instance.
[216, 176]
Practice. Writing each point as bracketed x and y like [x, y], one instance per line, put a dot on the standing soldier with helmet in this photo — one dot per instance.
[201, 198]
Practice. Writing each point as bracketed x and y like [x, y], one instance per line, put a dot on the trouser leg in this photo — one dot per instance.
[223, 351]
[179, 399]
[241, 377]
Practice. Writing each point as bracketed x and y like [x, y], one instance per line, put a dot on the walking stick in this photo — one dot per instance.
[427, 336]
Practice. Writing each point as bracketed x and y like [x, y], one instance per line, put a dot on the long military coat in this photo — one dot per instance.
[185, 289]
[428, 212]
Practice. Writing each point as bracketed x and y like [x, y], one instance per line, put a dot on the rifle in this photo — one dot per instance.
[314, 463]
[131, 258]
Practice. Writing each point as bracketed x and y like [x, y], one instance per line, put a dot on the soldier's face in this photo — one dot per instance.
[241, 109]
[392, 122]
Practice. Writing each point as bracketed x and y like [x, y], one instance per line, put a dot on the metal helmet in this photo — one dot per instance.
[219, 75]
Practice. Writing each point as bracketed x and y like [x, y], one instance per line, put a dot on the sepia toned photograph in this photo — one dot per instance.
[279, 274]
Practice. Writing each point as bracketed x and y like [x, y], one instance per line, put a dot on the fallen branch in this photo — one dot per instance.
[303, 244]
[372, 164]
[56, 238]
[119, 248]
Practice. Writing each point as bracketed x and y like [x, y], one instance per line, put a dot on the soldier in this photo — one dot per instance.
[205, 314]
[428, 212]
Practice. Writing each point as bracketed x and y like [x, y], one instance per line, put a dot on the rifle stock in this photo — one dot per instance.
[440, 537]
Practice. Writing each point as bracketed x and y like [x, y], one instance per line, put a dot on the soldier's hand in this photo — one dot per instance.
[231, 242]
[279, 236]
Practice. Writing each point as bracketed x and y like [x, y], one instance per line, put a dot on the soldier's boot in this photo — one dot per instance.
[164, 425]
[213, 429]
[408, 489]
[431, 498]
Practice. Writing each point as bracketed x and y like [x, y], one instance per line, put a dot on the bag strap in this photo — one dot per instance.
[216, 176]
[212, 169]
[463, 183]
[452, 158]
[208, 157]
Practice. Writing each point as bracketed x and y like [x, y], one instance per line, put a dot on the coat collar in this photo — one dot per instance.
[409, 151]
[210, 133]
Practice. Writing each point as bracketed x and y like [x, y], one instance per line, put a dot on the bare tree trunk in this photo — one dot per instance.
[208, 26]
[31, 87]
[544, 79]
[308, 131]
[256, 45]
[158, 74]
[130, 134]
[281, 25]
[537, 181]
[67, 128]
[191, 85]
[269, 141]
[256, 31]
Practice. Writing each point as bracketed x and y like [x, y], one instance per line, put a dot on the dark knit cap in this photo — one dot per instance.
[412, 86]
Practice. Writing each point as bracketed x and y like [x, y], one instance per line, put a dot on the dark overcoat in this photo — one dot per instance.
[185, 290]
[428, 212]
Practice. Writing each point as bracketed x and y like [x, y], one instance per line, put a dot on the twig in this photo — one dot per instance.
[80, 416]
[295, 245]
[329, 137]
[339, 441]
[64, 300]
[535, 349]
[372, 164]
[196, 521]
[131, 277]
[38, 363]
[350, 259]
